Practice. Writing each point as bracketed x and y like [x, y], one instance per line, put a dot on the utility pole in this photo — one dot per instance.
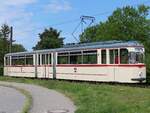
[11, 39]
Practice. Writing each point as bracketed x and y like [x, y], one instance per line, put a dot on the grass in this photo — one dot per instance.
[97, 98]
[28, 101]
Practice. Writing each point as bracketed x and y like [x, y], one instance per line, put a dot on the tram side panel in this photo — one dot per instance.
[45, 71]
[19, 71]
[86, 73]
[6, 71]
[130, 74]
[44, 67]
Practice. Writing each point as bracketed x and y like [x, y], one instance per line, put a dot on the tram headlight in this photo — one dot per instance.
[141, 74]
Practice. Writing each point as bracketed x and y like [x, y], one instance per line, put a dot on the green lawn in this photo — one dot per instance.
[98, 98]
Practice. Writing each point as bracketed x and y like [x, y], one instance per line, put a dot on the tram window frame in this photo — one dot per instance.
[136, 58]
[139, 57]
[39, 59]
[18, 60]
[76, 57]
[123, 59]
[49, 58]
[114, 56]
[43, 59]
[29, 60]
[90, 57]
[111, 56]
[13, 60]
[7, 61]
[103, 56]
[46, 59]
[63, 58]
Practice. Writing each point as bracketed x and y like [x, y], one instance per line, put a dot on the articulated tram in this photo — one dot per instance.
[109, 61]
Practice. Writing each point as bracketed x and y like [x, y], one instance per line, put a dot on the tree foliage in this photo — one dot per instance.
[127, 23]
[18, 48]
[50, 38]
[5, 42]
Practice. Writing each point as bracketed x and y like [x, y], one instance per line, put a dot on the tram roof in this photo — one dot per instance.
[94, 45]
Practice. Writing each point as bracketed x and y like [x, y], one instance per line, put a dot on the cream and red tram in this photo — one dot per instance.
[110, 61]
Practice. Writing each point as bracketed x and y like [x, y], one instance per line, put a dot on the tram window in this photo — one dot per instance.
[136, 57]
[132, 58]
[49, 58]
[139, 57]
[43, 59]
[7, 61]
[123, 56]
[39, 59]
[29, 60]
[90, 57]
[14, 60]
[21, 60]
[103, 53]
[117, 57]
[113, 56]
[46, 58]
[63, 58]
[75, 58]
[18, 60]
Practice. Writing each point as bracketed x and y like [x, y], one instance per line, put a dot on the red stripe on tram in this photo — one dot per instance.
[101, 65]
[85, 65]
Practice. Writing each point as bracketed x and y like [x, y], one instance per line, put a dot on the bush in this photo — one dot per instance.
[1, 71]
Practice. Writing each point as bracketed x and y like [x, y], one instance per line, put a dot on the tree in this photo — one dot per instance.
[18, 48]
[1, 52]
[89, 34]
[5, 32]
[50, 38]
[4, 45]
[4, 41]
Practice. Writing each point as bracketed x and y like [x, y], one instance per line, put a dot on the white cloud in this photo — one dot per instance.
[56, 6]
[16, 2]
[13, 9]
[14, 13]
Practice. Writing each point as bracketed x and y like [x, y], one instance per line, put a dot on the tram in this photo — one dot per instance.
[108, 61]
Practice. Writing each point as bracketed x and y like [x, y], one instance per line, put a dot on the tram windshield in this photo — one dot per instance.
[131, 57]
[136, 57]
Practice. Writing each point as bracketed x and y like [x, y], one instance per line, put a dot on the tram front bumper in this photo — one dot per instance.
[138, 79]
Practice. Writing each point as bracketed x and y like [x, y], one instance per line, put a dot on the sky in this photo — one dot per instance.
[31, 17]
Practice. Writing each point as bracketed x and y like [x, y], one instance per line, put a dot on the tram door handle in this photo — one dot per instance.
[75, 70]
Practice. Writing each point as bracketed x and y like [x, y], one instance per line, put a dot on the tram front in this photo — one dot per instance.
[136, 59]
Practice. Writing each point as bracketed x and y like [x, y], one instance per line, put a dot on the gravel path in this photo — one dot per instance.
[11, 100]
[46, 100]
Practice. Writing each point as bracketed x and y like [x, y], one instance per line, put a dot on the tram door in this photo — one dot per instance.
[114, 59]
[45, 65]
